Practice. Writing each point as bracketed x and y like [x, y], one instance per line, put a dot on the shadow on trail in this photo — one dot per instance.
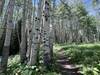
[64, 66]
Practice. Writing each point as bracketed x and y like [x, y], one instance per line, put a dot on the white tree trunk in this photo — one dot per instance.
[23, 44]
[2, 2]
[9, 26]
[29, 29]
[34, 56]
[46, 33]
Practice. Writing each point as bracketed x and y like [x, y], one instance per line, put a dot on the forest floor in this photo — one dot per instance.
[65, 67]
[82, 59]
[69, 60]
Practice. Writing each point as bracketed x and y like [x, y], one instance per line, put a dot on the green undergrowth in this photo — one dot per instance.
[87, 56]
[16, 68]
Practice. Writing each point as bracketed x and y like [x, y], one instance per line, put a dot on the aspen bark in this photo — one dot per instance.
[46, 34]
[9, 25]
[23, 44]
[29, 29]
[2, 2]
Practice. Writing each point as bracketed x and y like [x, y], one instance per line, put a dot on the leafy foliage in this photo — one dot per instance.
[16, 68]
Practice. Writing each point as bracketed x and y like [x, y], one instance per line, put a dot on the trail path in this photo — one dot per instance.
[64, 65]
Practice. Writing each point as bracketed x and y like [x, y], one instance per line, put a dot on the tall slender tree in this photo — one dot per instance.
[52, 27]
[9, 26]
[23, 48]
[29, 29]
[46, 33]
[2, 2]
[34, 57]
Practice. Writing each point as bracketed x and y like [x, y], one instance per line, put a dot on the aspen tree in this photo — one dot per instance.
[23, 44]
[9, 26]
[46, 33]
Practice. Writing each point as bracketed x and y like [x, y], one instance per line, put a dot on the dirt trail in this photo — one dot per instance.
[64, 65]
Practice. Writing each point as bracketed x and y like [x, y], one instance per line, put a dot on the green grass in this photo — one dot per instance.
[80, 46]
[85, 55]
[52, 73]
